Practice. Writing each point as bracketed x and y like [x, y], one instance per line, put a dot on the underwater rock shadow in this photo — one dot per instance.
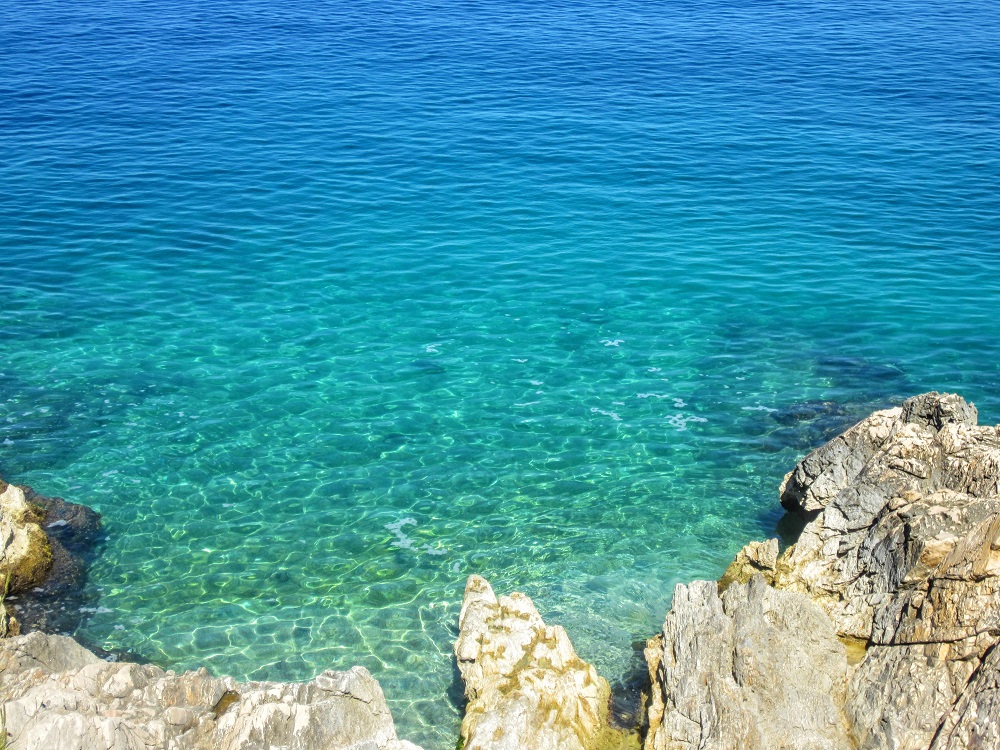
[62, 604]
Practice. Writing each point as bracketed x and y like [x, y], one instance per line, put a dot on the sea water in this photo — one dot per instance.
[327, 305]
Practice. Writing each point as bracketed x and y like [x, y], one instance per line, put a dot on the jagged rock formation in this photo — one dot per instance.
[59, 696]
[892, 496]
[757, 669]
[901, 552]
[527, 689]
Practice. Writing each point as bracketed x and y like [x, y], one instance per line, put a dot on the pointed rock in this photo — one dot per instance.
[526, 687]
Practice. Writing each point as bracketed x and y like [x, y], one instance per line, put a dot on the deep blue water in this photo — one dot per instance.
[327, 305]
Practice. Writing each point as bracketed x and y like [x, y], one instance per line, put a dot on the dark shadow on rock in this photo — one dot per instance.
[789, 528]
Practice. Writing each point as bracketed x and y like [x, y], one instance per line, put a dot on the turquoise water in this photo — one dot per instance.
[326, 306]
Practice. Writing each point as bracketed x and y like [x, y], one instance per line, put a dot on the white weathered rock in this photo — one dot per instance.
[756, 669]
[527, 689]
[59, 696]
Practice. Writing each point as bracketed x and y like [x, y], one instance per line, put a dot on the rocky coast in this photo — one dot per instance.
[877, 629]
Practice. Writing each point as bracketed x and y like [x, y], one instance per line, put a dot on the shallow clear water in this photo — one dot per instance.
[326, 306]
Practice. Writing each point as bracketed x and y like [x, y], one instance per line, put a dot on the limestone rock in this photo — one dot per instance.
[886, 501]
[74, 535]
[974, 721]
[526, 687]
[25, 555]
[755, 558]
[901, 550]
[59, 696]
[754, 670]
[932, 666]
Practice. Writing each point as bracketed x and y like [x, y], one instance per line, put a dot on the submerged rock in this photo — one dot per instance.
[526, 687]
[59, 696]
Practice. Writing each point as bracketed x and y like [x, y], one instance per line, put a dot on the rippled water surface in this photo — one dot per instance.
[327, 305]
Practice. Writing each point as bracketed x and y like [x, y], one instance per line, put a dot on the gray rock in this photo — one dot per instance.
[973, 721]
[930, 666]
[755, 670]
[901, 552]
[59, 696]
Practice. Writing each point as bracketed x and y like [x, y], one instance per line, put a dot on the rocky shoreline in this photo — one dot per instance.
[876, 630]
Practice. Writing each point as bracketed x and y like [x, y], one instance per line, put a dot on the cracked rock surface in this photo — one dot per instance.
[900, 554]
[755, 669]
[892, 495]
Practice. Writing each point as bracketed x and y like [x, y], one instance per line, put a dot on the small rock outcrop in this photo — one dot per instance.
[899, 558]
[59, 696]
[25, 554]
[45, 547]
[526, 687]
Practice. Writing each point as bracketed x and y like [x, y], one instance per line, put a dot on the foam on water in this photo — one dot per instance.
[326, 307]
